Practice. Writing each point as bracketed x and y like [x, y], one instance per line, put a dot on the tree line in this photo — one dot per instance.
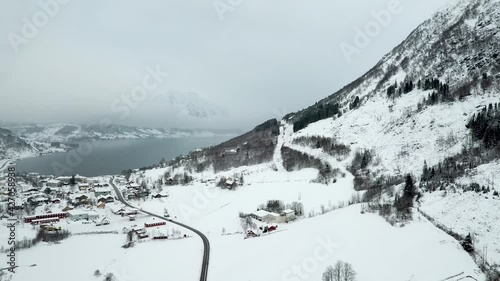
[322, 111]
[485, 125]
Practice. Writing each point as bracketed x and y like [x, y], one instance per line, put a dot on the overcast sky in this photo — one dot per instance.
[241, 64]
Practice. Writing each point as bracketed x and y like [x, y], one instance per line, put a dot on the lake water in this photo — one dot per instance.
[112, 157]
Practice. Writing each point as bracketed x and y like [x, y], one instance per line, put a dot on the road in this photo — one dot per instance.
[206, 243]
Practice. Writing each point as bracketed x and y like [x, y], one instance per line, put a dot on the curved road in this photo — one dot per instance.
[206, 243]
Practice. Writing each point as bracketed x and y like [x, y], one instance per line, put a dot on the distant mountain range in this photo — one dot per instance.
[74, 133]
[17, 140]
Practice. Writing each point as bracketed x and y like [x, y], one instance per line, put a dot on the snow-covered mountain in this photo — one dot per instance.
[391, 108]
[11, 146]
[429, 109]
[457, 46]
[191, 104]
[74, 133]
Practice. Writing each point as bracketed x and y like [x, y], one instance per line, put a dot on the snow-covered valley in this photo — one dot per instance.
[396, 175]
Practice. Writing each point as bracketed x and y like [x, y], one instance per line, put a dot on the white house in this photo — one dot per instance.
[53, 183]
[102, 191]
[265, 216]
[93, 215]
[77, 215]
[83, 186]
[288, 214]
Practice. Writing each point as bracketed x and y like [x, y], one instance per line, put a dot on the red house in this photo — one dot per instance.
[153, 224]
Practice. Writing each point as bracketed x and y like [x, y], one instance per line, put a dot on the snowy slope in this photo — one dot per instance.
[400, 135]
[465, 213]
[12, 146]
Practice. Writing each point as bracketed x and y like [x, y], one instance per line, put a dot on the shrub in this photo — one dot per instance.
[109, 277]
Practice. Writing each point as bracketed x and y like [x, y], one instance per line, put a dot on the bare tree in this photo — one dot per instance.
[348, 272]
[337, 271]
[328, 274]
[342, 271]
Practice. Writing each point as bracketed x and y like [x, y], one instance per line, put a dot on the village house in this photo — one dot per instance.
[102, 191]
[51, 190]
[53, 183]
[265, 216]
[80, 198]
[131, 195]
[288, 215]
[160, 194]
[230, 183]
[77, 215]
[133, 185]
[83, 186]
[169, 181]
[117, 210]
[19, 204]
[33, 189]
[105, 199]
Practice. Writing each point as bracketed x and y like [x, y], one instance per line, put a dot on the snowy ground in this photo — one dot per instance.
[376, 250]
[484, 175]
[297, 251]
[212, 209]
[78, 257]
[468, 212]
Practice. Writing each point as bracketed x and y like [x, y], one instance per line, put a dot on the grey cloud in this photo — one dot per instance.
[263, 57]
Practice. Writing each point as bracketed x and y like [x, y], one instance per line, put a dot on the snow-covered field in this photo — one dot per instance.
[297, 251]
[469, 212]
[78, 257]
[211, 208]
[376, 250]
